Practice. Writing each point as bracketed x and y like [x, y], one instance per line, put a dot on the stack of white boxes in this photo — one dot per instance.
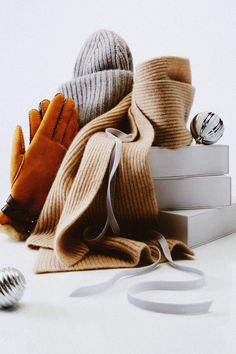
[193, 192]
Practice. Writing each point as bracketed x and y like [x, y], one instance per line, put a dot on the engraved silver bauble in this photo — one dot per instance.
[12, 286]
[207, 128]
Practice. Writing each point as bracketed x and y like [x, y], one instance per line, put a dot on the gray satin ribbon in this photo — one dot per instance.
[111, 221]
[172, 308]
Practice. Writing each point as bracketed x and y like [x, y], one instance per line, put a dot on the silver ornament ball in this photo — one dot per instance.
[12, 286]
[207, 128]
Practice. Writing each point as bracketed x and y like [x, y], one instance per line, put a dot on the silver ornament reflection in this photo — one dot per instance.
[12, 286]
[207, 128]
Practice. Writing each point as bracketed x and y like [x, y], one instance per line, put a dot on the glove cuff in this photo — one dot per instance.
[22, 221]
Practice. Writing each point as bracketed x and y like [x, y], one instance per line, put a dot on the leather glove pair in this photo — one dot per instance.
[52, 130]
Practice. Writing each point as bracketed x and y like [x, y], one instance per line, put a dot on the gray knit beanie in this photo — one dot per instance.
[103, 75]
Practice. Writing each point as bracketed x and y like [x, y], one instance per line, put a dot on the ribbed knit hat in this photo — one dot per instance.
[103, 75]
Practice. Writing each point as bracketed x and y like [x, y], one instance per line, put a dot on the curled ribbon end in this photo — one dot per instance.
[78, 293]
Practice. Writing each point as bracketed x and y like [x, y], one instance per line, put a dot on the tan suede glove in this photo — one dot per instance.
[52, 130]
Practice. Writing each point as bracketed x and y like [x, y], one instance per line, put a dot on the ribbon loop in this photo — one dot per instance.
[111, 221]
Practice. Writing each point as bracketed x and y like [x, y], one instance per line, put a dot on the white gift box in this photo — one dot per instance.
[196, 227]
[193, 192]
[195, 160]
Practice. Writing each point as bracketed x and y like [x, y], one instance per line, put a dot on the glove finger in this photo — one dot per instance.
[63, 120]
[34, 122]
[17, 153]
[35, 117]
[43, 106]
[72, 129]
[51, 116]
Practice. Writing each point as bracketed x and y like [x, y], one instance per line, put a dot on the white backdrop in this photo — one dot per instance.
[41, 39]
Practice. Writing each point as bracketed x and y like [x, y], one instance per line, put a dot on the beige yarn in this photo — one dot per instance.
[77, 197]
[164, 93]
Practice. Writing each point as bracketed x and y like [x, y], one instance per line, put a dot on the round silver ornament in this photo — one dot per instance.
[207, 128]
[12, 286]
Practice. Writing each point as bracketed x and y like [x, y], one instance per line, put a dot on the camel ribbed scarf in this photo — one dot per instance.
[77, 197]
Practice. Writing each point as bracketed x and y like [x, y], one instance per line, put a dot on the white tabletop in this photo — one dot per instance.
[48, 321]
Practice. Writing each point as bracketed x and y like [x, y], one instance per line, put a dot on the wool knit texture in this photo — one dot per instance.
[164, 92]
[103, 75]
[77, 197]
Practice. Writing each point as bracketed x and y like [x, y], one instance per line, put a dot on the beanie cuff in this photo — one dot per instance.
[97, 93]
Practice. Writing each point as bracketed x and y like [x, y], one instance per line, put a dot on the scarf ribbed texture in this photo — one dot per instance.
[164, 93]
[77, 197]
